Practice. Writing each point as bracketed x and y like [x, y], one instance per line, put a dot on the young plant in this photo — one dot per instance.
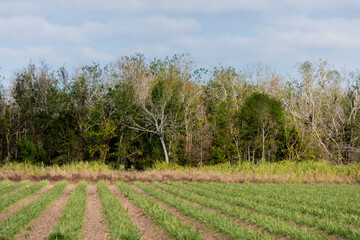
[71, 222]
[13, 187]
[118, 219]
[173, 225]
[13, 224]
[213, 219]
[17, 196]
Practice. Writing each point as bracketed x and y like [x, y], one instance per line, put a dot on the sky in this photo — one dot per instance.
[280, 33]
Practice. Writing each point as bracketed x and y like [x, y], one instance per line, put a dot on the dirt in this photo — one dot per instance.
[202, 228]
[17, 206]
[42, 226]
[148, 229]
[125, 176]
[95, 226]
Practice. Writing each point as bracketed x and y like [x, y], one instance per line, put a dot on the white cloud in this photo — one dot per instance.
[14, 7]
[31, 28]
[205, 6]
[305, 32]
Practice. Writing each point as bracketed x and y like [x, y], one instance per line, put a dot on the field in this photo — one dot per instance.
[177, 210]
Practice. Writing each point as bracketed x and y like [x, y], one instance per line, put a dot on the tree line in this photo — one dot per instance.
[137, 111]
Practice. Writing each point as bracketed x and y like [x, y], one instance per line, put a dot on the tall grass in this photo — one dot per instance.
[298, 171]
[75, 167]
[282, 171]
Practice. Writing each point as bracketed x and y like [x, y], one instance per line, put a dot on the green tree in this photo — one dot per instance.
[262, 127]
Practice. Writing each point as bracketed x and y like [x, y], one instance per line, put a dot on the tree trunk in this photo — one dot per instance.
[263, 145]
[164, 148]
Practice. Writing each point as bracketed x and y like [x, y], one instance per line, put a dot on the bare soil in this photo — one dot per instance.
[125, 176]
[45, 223]
[17, 206]
[207, 232]
[148, 229]
[95, 227]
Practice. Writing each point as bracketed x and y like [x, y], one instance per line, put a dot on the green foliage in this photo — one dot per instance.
[13, 224]
[31, 153]
[119, 221]
[216, 201]
[213, 219]
[17, 196]
[217, 156]
[136, 111]
[302, 213]
[173, 225]
[71, 222]
[13, 187]
[5, 183]
[262, 127]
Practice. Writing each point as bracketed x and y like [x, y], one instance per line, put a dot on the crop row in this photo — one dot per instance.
[329, 198]
[240, 211]
[211, 218]
[71, 222]
[13, 224]
[330, 227]
[287, 204]
[13, 187]
[5, 183]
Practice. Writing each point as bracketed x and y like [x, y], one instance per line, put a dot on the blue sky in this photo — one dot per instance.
[228, 32]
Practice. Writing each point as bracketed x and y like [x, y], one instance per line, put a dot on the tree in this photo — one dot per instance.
[262, 127]
[159, 108]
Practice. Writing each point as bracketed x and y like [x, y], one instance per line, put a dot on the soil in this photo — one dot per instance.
[44, 224]
[17, 206]
[148, 229]
[95, 227]
[125, 176]
[202, 228]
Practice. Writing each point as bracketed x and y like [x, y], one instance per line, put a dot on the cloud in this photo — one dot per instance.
[34, 28]
[306, 32]
[204, 6]
[14, 7]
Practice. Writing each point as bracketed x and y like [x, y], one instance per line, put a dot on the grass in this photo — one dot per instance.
[297, 200]
[13, 187]
[119, 221]
[278, 172]
[212, 219]
[75, 167]
[13, 224]
[70, 223]
[282, 171]
[239, 198]
[275, 226]
[169, 222]
[17, 196]
[240, 211]
[5, 183]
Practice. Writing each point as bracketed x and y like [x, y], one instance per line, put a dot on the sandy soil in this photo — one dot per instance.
[148, 229]
[95, 226]
[17, 206]
[202, 228]
[42, 226]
